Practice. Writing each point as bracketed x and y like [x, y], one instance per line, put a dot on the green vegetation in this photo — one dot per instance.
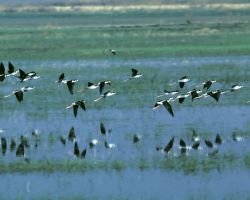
[134, 34]
[189, 164]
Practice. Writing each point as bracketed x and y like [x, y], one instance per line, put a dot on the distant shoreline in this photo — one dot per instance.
[110, 8]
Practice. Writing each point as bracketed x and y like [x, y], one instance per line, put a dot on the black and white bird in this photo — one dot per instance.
[196, 145]
[215, 94]
[19, 93]
[11, 71]
[102, 85]
[75, 105]
[182, 97]
[208, 84]
[93, 143]
[70, 83]
[136, 138]
[182, 81]
[166, 104]
[27, 76]
[235, 87]
[109, 145]
[104, 95]
[112, 51]
[195, 93]
[134, 75]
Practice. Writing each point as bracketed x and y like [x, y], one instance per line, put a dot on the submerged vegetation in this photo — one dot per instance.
[187, 164]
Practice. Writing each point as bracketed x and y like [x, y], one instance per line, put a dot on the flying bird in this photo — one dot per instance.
[27, 76]
[134, 74]
[208, 84]
[235, 87]
[75, 105]
[19, 93]
[168, 106]
[215, 94]
[112, 51]
[70, 83]
[104, 95]
[182, 81]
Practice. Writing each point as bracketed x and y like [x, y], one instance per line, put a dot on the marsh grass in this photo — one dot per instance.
[188, 164]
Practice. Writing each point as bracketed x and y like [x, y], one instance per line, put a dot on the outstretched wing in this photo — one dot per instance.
[11, 68]
[61, 77]
[102, 128]
[2, 69]
[169, 145]
[72, 134]
[215, 95]
[75, 109]
[70, 86]
[101, 86]
[19, 95]
[134, 72]
[82, 105]
[168, 107]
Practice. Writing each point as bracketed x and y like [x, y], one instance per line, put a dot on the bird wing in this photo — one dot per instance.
[134, 72]
[75, 109]
[194, 94]
[168, 107]
[19, 95]
[182, 143]
[83, 154]
[76, 150]
[2, 69]
[70, 86]
[23, 75]
[101, 86]
[20, 150]
[181, 84]
[72, 134]
[102, 128]
[11, 68]
[169, 145]
[61, 77]
[82, 105]
[215, 95]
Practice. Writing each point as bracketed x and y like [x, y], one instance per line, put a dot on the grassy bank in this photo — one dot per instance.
[134, 34]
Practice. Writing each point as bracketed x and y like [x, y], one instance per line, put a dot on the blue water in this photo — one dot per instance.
[127, 113]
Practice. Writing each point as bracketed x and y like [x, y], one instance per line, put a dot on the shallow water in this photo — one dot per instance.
[129, 184]
[128, 113]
